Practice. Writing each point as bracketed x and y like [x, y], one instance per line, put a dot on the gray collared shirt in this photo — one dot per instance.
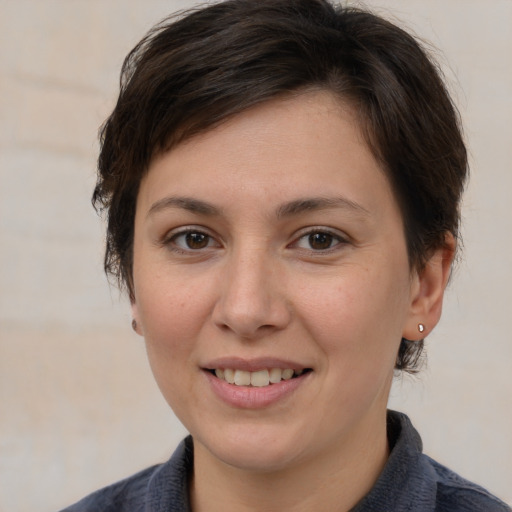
[410, 481]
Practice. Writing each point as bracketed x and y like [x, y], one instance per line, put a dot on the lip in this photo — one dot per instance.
[252, 365]
[248, 397]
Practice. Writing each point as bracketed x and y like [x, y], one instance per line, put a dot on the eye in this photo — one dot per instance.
[319, 241]
[191, 240]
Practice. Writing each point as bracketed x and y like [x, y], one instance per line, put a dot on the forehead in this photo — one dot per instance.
[306, 145]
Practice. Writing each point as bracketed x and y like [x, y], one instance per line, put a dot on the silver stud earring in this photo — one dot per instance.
[421, 327]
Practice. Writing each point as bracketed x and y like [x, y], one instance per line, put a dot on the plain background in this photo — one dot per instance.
[78, 406]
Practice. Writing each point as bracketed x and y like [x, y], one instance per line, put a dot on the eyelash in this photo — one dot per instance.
[170, 241]
[333, 239]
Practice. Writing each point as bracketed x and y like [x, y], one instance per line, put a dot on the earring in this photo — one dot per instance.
[134, 325]
[421, 327]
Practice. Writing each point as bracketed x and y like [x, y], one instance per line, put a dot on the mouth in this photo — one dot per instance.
[259, 379]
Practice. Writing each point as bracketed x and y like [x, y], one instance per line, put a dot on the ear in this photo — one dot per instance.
[136, 326]
[427, 291]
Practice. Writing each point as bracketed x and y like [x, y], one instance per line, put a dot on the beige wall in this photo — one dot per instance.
[78, 407]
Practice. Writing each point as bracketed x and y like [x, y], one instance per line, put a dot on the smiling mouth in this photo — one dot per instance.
[260, 378]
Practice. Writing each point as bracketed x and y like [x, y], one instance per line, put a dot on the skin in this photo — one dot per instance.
[257, 286]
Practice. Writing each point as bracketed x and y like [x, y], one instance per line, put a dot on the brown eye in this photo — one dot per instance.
[191, 241]
[197, 240]
[320, 241]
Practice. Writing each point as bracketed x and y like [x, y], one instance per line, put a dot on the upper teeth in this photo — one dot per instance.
[258, 379]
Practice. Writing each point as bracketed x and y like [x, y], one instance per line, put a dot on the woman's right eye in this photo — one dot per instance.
[191, 241]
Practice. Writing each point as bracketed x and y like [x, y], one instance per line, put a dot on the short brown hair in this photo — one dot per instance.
[194, 71]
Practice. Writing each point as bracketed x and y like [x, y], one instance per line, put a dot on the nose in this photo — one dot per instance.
[252, 299]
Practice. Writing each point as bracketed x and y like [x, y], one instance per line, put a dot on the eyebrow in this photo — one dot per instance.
[185, 203]
[289, 209]
[319, 203]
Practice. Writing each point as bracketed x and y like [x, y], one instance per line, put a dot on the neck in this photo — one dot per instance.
[335, 480]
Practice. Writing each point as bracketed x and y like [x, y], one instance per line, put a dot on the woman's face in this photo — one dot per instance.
[273, 245]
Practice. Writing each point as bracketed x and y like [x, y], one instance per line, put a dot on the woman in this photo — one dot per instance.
[282, 180]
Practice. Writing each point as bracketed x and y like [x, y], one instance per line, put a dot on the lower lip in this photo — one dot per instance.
[249, 397]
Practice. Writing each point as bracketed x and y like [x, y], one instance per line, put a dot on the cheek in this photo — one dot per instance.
[357, 317]
[171, 304]
[171, 314]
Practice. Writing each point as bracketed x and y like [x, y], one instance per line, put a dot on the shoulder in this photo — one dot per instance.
[126, 495]
[456, 494]
[160, 488]
[412, 480]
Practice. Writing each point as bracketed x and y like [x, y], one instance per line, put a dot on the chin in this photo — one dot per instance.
[257, 460]
[257, 450]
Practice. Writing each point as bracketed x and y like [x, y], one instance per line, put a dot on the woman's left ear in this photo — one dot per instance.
[427, 291]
